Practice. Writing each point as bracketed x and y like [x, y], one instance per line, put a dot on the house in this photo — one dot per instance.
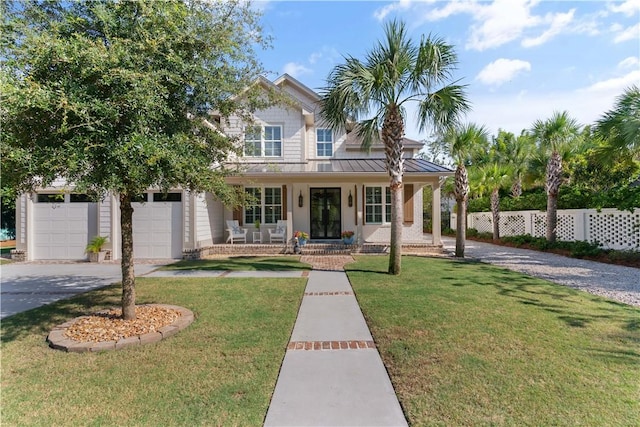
[299, 170]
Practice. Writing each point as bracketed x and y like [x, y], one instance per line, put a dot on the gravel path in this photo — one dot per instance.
[611, 281]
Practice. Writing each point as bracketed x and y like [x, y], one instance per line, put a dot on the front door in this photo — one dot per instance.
[325, 213]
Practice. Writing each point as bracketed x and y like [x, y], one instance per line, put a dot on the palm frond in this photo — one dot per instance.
[443, 108]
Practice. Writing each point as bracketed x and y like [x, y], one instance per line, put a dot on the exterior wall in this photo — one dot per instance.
[611, 228]
[208, 220]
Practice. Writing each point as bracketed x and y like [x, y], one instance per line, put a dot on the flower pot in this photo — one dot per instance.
[302, 242]
[348, 240]
[97, 256]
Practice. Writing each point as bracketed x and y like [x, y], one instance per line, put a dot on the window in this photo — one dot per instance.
[272, 205]
[50, 198]
[267, 201]
[253, 211]
[377, 207]
[324, 142]
[79, 198]
[263, 141]
[169, 197]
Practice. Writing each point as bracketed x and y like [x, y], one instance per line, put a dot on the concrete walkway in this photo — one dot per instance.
[332, 373]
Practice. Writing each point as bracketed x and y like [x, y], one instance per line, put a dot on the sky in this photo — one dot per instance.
[521, 59]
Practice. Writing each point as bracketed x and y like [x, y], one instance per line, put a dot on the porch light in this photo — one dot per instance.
[300, 199]
[350, 199]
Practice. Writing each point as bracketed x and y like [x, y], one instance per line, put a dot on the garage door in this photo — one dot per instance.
[62, 230]
[157, 226]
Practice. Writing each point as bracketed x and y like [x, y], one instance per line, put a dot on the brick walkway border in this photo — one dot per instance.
[330, 345]
[59, 341]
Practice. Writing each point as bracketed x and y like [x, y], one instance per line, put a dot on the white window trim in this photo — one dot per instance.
[332, 143]
[263, 205]
[385, 190]
[263, 140]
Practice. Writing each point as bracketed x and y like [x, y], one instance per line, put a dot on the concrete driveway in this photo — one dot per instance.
[24, 286]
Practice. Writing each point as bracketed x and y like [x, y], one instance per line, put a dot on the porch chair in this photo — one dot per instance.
[236, 234]
[279, 234]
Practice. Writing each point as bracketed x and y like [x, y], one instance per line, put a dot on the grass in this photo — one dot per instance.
[221, 370]
[242, 263]
[473, 344]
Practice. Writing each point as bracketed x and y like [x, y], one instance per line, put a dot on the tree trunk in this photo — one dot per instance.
[397, 212]
[392, 134]
[495, 211]
[461, 192]
[461, 226]
[128, 277]
[554, 179]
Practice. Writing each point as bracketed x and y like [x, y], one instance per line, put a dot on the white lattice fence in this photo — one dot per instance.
[610, 228]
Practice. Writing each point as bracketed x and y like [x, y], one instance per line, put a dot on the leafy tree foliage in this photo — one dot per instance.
[116, 98]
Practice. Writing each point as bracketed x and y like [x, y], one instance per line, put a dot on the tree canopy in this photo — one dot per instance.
[117, 97]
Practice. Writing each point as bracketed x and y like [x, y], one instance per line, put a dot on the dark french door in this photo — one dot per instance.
[325, 213]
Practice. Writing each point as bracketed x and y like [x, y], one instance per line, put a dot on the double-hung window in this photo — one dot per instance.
[263, 141]
[377, 205]
[266, 205]
[324, 142]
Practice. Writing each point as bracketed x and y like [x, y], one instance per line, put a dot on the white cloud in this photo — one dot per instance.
[502, 70]
[630, 62]
[502, 21]
[382, 12]
[628, 8]
[326, 54]
[559, 22]
[295, 70]
[630, 33]
[615, 84]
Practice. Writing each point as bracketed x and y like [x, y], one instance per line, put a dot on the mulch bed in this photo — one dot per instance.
[109, 326]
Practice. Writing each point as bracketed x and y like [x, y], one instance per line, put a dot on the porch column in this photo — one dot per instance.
[436, 222]
[290, 203]
[29, 238]
[359, 213]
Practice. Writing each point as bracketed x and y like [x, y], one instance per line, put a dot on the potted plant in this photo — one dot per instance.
[256, 224]
[302, 237]
[347, 237]
[94, 249]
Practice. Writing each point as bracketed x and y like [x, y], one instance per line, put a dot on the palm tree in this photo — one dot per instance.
[514, 152]
[494, 177]
[620, 127]
[553, 135]
[462, 140]
[374, 92]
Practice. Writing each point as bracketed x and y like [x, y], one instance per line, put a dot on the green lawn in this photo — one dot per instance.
[221, 370]
[242, 263]
[472, 344]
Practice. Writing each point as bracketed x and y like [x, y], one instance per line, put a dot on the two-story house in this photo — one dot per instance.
[299, 170]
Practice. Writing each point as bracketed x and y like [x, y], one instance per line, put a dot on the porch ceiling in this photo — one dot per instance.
[415, 168]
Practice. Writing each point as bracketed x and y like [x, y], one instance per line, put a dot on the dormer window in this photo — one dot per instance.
[324, 142]
[263, 141]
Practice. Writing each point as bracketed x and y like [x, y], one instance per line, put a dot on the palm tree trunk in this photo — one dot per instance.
[461, 226]
[554, 179]
[128, 277]
[461, 191]
[392, 134]
[495, 211]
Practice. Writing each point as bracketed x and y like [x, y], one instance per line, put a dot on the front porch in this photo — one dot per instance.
[311, 248]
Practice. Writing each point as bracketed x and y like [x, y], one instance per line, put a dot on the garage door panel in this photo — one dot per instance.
[61, 230]
[157, 230]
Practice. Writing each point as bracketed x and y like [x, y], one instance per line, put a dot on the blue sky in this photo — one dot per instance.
[522, 59]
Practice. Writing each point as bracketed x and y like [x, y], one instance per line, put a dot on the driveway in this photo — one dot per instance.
[24, 286]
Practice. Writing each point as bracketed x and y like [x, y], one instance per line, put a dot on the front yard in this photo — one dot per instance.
[221, 370]
[472, 344]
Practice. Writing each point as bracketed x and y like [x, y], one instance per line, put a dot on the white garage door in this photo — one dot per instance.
[157, 227]
[62, 230]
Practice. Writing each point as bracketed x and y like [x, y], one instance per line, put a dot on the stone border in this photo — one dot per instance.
[59, 341]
